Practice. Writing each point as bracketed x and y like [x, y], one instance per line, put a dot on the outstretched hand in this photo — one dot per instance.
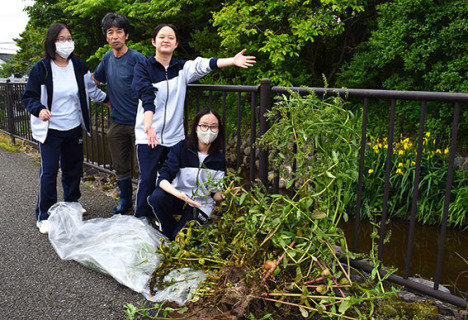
[243, 61]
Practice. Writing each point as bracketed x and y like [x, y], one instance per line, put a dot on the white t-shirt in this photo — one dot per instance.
[202, 157]
[65, 102]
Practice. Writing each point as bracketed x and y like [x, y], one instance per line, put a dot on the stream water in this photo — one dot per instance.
[454, 274]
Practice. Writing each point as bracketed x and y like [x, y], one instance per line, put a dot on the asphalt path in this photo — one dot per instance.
[34, 282]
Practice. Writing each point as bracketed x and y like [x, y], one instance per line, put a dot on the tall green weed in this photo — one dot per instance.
[290, 243]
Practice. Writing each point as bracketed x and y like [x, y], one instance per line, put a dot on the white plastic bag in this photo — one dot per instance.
[122, 247]
[184, 282]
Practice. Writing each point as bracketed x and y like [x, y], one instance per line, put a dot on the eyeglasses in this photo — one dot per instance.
[205, 127]
[63, 39]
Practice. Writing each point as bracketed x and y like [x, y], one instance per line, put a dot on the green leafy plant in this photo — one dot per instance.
[321, 137]
[434, 166]
[160, 311]
[286, 246]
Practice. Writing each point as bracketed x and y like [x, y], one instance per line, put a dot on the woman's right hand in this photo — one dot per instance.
[149, 130]
[151, 134]
[44, 115]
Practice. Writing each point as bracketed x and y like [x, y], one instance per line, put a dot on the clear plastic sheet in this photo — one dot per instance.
[120, 246]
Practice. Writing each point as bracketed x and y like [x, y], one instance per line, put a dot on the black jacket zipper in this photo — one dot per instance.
[165, 110]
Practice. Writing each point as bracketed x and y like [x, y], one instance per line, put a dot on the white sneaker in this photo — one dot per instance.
[43, 226]
[81, 209]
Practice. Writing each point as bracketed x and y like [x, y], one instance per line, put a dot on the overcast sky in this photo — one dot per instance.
[12, 22]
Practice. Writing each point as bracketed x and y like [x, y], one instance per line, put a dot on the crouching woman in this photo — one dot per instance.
[189, 182]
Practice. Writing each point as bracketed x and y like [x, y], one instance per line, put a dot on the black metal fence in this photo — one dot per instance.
[14, 121]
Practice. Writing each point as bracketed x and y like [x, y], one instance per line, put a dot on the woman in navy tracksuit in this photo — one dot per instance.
[160, 83]
[57, 96]
[190, 180]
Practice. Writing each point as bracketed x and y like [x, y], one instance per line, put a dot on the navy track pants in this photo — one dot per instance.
[150, 161]
[64, 149]
[165, 206]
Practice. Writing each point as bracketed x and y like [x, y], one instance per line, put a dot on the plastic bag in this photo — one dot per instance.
[122, 247]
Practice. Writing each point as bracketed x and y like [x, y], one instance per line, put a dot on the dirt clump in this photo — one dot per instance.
[233, 297]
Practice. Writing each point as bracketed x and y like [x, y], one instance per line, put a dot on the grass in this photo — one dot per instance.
[5, 143]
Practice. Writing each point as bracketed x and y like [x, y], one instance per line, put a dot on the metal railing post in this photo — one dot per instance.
[362, 153]
[448, 188]
[414, 204]
[238, 132]
[10, 110]
[265, 95]
[388, 167]
[253, 136]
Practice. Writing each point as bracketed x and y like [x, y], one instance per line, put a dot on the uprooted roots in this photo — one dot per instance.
[232, 299]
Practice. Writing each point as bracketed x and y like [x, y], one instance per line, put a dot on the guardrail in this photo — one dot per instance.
[14, 121]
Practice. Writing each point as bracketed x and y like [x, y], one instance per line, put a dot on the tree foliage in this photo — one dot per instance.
[83, 17]
[29, 51]
[282, 34]
[417, 45]
[290, 38]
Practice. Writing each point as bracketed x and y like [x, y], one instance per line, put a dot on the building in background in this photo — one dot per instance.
[4, 57]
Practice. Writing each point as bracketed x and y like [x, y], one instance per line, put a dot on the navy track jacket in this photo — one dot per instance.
[197, 180]
[39, 92]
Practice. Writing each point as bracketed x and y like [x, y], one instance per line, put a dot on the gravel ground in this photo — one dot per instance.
[35, 283]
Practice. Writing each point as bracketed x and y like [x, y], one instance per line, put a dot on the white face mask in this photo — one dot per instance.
[65, 49]
[206, 137]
